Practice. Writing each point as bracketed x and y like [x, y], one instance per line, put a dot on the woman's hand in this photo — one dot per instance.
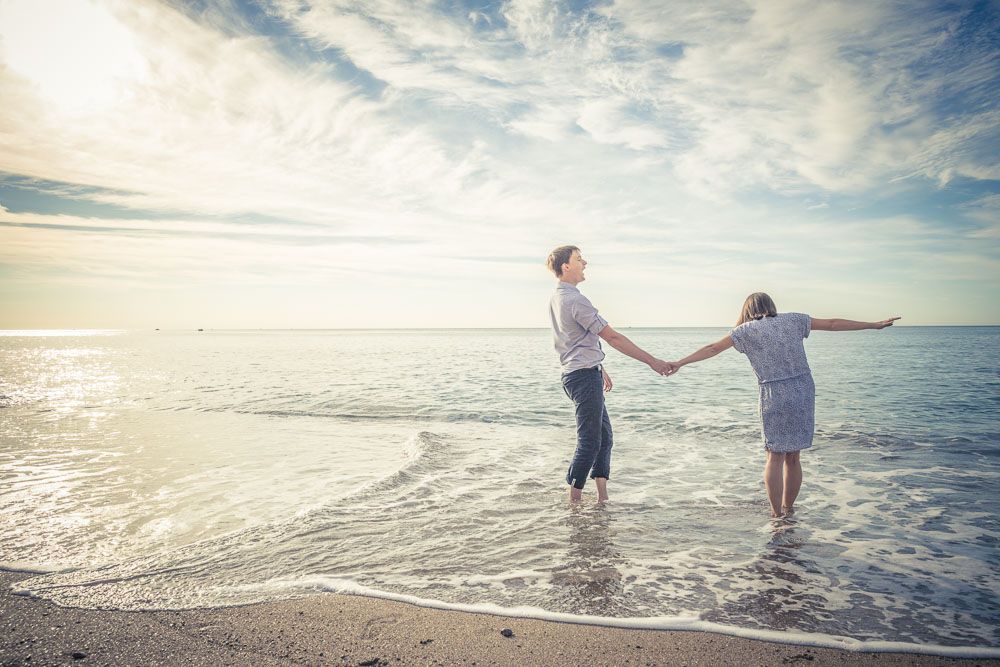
[884, 323]
[607, 379]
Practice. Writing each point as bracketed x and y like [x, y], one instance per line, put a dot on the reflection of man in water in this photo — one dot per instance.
[591, 578]
[576, 330]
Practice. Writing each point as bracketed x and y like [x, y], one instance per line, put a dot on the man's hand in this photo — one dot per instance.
[607, 379]
[663, 367]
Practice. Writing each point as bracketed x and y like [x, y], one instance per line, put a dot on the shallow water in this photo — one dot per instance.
[152, 470]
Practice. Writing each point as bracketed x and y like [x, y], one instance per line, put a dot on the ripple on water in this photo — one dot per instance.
[188, 472]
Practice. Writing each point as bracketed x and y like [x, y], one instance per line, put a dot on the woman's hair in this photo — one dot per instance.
[558, 257]
[757, 306]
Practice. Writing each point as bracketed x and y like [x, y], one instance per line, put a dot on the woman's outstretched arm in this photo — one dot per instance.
[836, 324]
[706, 352]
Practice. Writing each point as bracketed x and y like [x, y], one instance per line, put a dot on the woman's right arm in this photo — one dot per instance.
[836, 324]
[706, 352]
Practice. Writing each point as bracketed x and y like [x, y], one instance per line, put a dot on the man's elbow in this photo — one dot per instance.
[613, 340]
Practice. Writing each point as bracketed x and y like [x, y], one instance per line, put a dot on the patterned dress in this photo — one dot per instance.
[787, 394]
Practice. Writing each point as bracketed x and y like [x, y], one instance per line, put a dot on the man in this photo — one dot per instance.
[576, 330]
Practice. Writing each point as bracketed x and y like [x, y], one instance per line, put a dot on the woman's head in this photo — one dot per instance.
[757, 306]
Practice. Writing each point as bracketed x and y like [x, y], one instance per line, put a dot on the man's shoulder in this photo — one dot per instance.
[574, 298]
[564, 298]
[570, 301]
[566, 292]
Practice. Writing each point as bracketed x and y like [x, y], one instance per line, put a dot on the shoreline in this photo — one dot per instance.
[339, 629]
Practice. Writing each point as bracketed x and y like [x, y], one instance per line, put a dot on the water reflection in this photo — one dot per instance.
[592, 575]
[783, 587]
[787, 535]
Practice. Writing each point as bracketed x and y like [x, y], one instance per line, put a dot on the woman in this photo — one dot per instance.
[773, 343]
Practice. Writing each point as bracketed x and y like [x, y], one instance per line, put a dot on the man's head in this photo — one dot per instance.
[567, 264]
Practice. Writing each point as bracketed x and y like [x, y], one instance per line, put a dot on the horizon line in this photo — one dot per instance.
[417, 328]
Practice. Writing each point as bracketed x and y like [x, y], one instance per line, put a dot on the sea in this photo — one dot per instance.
[151, 470]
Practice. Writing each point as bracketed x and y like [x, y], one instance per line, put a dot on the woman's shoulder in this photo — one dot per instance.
[774, 325]
[771, 321]
[741, 330]
[796, 324]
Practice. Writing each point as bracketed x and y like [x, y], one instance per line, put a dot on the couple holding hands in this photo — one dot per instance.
[771, 341]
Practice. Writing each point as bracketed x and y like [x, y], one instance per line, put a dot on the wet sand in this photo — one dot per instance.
[348, 630]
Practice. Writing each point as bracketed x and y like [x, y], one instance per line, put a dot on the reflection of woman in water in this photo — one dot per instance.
[773, 344]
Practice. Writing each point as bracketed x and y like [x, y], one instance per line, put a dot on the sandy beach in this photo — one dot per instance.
[349, 630]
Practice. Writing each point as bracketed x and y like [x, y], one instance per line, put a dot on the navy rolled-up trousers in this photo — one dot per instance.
[585, 387]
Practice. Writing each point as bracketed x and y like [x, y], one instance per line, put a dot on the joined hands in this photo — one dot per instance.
[665, 368]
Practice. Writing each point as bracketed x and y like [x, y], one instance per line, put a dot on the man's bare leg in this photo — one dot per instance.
[793, 481]
[602, 488]
[575, 493]
[773, 481]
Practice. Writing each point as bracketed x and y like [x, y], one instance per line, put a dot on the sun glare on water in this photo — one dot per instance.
[80, 58]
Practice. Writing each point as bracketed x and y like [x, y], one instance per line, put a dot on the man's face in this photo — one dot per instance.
[573, 269]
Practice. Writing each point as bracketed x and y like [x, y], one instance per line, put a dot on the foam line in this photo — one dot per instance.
[692, 623]
[28, 568]
[689, 623]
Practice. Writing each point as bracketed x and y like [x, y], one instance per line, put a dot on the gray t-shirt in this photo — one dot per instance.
[575, 328]
[774, 345]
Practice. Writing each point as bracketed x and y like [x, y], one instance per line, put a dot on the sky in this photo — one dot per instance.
[384, 163]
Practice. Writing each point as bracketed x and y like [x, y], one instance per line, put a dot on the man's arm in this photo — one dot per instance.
[630, 349]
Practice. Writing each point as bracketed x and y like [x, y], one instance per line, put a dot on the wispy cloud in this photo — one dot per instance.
[679, 137]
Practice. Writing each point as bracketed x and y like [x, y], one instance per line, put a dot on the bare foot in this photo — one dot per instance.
[787, 510]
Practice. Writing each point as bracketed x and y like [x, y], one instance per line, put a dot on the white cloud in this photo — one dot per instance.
[222, 126]
[787, 96]
[607, 122]
[642, 130]
[80, 58]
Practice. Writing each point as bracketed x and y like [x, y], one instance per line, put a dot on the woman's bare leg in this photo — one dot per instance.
[793, 480]
[773, 481]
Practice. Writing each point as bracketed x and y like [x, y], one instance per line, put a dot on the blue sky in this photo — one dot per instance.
[288, 163]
